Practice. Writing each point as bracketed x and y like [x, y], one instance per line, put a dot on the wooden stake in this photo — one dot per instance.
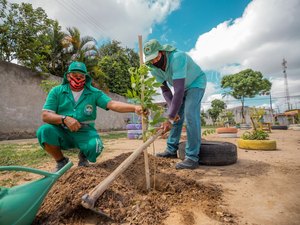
[144, 118]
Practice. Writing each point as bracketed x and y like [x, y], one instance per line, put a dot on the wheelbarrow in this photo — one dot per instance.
[20, 204]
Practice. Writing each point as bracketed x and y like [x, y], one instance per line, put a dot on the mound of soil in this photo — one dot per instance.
[127, 200]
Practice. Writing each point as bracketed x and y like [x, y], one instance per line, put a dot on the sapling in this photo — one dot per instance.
[142, 91]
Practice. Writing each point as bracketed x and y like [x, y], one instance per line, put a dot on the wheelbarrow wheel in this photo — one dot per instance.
[213, 153]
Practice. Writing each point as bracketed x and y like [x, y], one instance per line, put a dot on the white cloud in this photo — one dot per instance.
[114, 19]
[267, 32]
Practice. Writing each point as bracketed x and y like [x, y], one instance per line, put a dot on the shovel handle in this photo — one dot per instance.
[88, 200]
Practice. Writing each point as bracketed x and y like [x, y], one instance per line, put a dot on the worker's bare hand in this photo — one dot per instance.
[139, 110]
[72, 124]
[166, 126]
[177, 118]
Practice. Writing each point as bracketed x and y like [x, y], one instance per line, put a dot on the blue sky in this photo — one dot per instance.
[222, 36]
[195, 17]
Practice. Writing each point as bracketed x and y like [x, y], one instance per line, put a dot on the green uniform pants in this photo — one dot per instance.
[85, 139]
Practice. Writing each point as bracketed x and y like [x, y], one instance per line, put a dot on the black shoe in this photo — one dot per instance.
[61, 163]
[82, 160]
[187, 164]
[167, 154]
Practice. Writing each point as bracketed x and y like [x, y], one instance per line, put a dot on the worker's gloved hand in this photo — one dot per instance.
[72, 124]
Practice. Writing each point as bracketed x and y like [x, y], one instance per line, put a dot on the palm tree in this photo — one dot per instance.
[82, 49]
[58, 58]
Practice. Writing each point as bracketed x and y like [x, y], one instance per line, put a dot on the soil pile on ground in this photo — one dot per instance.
[127, 200]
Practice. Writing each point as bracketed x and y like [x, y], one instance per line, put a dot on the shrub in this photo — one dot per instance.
[255, 135]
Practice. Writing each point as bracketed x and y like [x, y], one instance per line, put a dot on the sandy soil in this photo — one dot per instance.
[261, 188]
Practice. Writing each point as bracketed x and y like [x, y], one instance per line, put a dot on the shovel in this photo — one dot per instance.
[20, 204]
[88, 200]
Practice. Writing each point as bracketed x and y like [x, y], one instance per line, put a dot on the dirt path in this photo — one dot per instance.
[261, 188]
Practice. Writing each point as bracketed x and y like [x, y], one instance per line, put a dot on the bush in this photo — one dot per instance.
[255, 135]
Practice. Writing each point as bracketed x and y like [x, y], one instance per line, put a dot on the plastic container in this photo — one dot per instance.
[134, 126]
[134, 134]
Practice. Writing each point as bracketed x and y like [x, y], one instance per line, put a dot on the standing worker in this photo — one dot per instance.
[70, 112]
[176, 68]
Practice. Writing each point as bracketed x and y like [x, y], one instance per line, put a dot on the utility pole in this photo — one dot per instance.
[271, 109]
[287, 95]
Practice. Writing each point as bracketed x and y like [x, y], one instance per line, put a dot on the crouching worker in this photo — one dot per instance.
[70, 113]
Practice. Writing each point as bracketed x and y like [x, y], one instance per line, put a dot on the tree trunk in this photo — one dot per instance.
[243, 116]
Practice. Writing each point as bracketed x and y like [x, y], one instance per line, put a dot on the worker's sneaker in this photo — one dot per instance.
[187, 164]
[167, 154]
[82, 160]
[61, 163]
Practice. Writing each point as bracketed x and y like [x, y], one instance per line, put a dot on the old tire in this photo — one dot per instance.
[222, 130]
[257, 144]
[228, 135]
[213, 153]
[279, 127]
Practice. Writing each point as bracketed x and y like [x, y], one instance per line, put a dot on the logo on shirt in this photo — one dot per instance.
[88, 110]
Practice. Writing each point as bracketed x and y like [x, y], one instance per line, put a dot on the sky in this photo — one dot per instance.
[222, 36]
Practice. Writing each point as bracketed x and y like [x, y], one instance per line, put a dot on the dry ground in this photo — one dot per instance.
[263, 187]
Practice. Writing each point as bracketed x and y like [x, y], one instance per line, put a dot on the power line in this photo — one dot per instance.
[85, 17]
[256, 99]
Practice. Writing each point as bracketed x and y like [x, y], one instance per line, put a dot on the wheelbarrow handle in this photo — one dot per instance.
[36, 171]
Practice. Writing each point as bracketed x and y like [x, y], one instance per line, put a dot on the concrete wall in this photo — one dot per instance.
[22, 99]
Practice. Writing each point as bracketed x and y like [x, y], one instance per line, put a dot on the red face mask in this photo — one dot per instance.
[77, 83]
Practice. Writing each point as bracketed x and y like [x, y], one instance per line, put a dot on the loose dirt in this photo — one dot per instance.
[261, 188]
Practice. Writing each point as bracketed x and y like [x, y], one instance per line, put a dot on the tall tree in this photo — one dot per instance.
[217, 107]
[245, 84]
[82, 49]
[24, 34]
[115, 62]
[58, 57]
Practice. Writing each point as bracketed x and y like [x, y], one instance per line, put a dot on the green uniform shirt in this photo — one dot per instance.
[60, 100]
[180, 65]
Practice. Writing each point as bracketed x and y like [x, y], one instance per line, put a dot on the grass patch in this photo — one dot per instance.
[113, 135]
[32, 154]
[8, 182]
[25, 155]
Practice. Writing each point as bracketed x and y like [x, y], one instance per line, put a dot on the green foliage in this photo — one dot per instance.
[58, 58]
[245, 84]
[217, 107]
[226, 118]
[140, 78]
[47, 85]
[80, 48]
[25, 35]
[113, 135]
[255, 135]
[256, 116]
[208, 132]
[114, 62]
[203, 116]
[22, 154]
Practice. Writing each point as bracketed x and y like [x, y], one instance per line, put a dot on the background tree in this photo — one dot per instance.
[81, 49]
[58, 57]
[24, 35]
[29, 37]
[245, 84]
[203, 117]
[217, 107]
[114, 62]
